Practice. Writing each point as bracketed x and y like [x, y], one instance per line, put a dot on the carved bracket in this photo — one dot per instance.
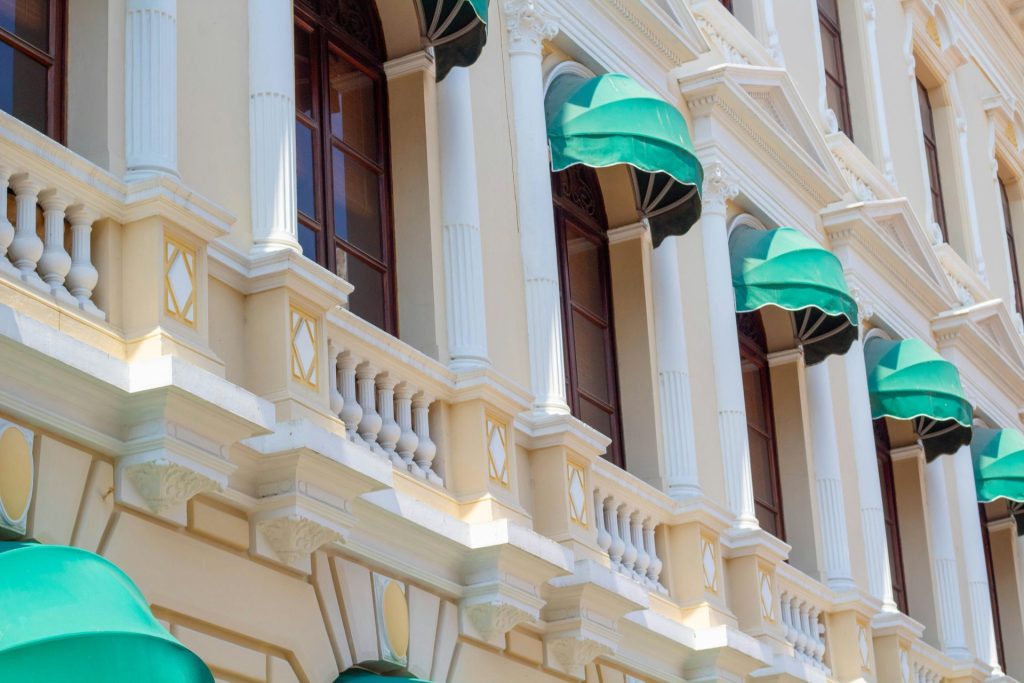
[294, 538]
[572, 654]
[163, 484]
[495, 618]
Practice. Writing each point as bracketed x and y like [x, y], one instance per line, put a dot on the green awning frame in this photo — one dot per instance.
[998, 456]
[456, 29]
[908, 380]
[357, 675]
[787, 269]
[611, 119]
[67, 614]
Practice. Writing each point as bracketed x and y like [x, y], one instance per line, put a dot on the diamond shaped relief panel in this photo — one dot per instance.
[765, 590]
[862, 645]
[304, 353]
[708, 563]
[904, 667]
[180, 282]
[497, 453]
[577, 495]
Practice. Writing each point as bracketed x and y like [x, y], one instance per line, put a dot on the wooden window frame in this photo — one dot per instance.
[890, 514]
[993, 592]
[594, 228]
[55, 62]
[831, 31]
[931, 153]
[727, 4]
[326, 39]
[1011, 246]
[753, 350]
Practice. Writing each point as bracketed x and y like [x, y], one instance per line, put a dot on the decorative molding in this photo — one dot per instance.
[643, 29]
[766, 594]
[498, 453]
[305, 355]
[576, 491]
[719, 188]
[164, 484]
[180, 263]
[496, 618]
[573, 654]
[709, 563]
[293, 537]
[392, 606]
[528, 26]
[17, 478]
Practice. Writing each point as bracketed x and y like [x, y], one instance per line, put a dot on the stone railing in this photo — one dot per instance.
[627, 514]
[802, 608]
[386, 393]
[921, 664]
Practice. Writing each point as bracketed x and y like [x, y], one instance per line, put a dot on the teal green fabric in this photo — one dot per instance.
[785, 268]
[69, 615]
[457, 30]
[998, 456]
[611, 119]
[908, 380]
[364, 676]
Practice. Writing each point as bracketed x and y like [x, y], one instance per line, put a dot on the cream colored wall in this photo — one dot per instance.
[227, 329]
[908, 478]
[797, 24]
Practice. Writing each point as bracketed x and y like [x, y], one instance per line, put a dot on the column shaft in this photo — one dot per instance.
[947, 579]
[151, 87]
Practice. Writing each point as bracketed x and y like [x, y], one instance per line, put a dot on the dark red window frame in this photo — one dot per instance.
[931, 153]
[993, 593]
[835, 68]
[352, 35]
[51, 57]
[754, 361]
[579, 214]
[727, 4]
[890, 513]
[1011, 246]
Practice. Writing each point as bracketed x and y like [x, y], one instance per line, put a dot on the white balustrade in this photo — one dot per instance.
[627, 534]
[383, 411]
[923, 674]
[804, 627]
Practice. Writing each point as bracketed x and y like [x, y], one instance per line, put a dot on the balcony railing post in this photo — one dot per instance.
[83, 276]
[351, 411]
[407, 440]
[26, 248]
[6, 229]
[426, 449]
[55, 262]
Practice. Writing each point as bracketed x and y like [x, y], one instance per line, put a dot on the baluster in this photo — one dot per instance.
[83, 276]
[371, 422]
[26, 248]
[654, 568]
[351, 412]
[629, 550]
[804, 631]
[6, 229]
[604, 539]
[55, 262]
[426, 449]
[389, 432]
[818, 629]
[617, 546]
[786, 614]
[642, 558]
[408, 440]
[333, 370]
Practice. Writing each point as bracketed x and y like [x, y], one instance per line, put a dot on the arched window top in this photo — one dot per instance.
[356, 19]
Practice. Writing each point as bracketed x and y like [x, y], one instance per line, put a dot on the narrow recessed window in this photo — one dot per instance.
[992, 592]
[342, 151]
[592, 384]
[1011, 247]
[835, 69]
[727, 4]
[931, 153]
[32, 63]
[757, 393]
[892, 525]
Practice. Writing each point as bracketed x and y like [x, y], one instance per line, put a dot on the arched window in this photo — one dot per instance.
[887, 481]
[342, 150]
[592, 384]
[32, 63]
[757, 393]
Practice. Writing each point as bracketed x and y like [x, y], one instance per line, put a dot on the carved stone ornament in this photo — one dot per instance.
[494, 619]
[528, 26]
[293, 538]
[572, 654]
[718, 188]
[164, 484]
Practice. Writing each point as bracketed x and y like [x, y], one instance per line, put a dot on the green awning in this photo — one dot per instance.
[908, 380]
[364, 676]
[611, 119]
[457, 30]
[998, 456]
[67, 614]
[785, 268]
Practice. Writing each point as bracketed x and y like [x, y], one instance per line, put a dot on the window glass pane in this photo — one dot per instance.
[22, 87]
[592, 357]
[597, 417]
[304, 170]
[585, 281]
[367, 299]
[353, 106]
[767, 519]
[303, 73]
[761, 469]
[753, 394]
[308, 240]
[27, 19]
[357, 217]
[828, 51]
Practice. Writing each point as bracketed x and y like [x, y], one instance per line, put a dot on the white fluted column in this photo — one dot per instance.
[151, 87]
[732, 416]
[272, 175]
[947, 579]
[869, 487]
[673, 373]
[828, 480]
[527, 27]
[973, 548]
[460, 208]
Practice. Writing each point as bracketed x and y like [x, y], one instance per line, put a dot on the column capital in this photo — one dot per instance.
[719, 187]
[528, 25]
